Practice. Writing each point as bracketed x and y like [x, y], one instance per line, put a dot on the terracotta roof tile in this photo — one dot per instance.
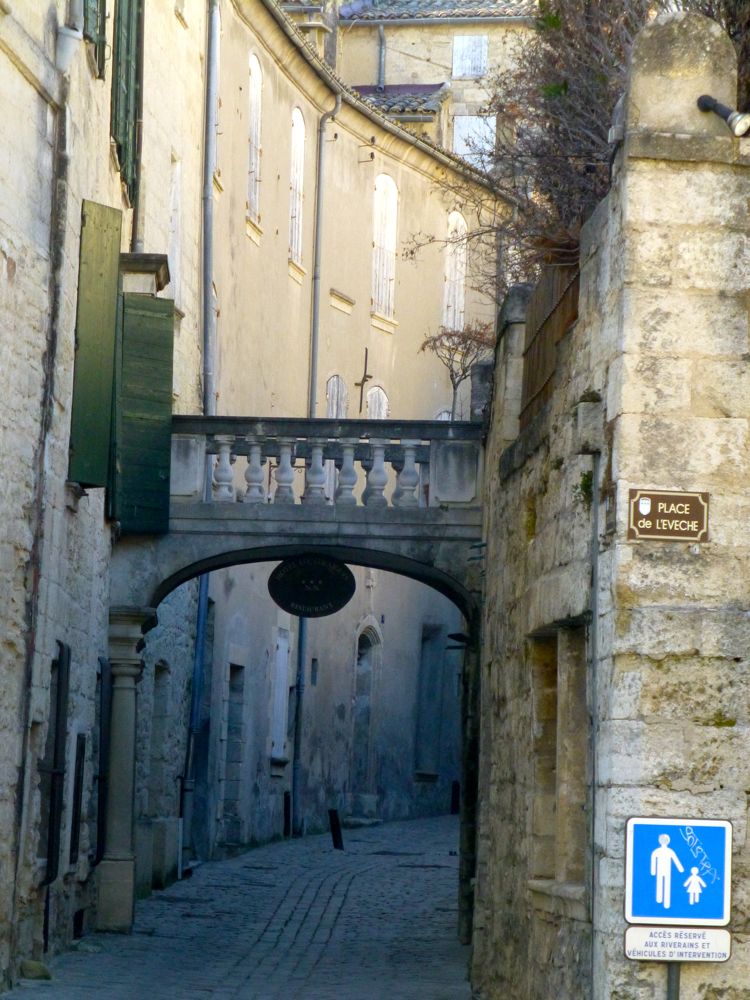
[406, 99]
[394, 10]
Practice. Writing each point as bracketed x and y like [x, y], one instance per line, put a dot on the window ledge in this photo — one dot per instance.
[344, 303]
[383, 323]
[296, 271]
[426, 777]
[565, 899]
[252, 228]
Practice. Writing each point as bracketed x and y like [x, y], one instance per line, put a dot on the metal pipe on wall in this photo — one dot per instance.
[312, 404]
[209, 394]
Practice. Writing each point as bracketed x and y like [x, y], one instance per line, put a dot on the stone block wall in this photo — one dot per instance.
[651, 391]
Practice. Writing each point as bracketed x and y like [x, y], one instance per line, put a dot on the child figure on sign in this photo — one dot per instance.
[694, 885]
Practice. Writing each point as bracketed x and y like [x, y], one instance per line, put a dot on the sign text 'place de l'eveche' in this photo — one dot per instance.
[668, 516]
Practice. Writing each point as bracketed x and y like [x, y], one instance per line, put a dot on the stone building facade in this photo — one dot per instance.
[615, 671]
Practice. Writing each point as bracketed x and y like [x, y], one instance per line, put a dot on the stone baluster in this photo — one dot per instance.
[408, 478]
[255, 492]
[315, 476]
[377, 477]
[344, 496]
[116, 871]
[223, 477]
[284, 474]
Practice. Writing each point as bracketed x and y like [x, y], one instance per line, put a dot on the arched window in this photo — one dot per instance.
[253, 139]
[337, 405]
[296, 186]
[377, 404]
[337, 397]
[455, 273]
[385, 239]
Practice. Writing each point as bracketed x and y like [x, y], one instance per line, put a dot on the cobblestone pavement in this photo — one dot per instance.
[294, 920]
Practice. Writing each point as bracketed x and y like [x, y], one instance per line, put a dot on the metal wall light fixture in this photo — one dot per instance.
[737, 122]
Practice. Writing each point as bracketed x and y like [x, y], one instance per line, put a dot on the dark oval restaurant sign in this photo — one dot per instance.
[668, 516]
[312, 586]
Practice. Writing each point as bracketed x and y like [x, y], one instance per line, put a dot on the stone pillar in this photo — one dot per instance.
[511, 341]
[116, 872]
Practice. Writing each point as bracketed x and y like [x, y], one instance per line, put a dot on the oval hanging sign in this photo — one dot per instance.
[312, 586]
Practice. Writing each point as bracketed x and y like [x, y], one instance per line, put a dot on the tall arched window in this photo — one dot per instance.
[253, 139]
[377, 404]
[296, 186]
[455, 273]
[385, 239]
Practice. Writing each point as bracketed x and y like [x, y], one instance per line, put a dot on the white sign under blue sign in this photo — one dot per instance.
[678, 871]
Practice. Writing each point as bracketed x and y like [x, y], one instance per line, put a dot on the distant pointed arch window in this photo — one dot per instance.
[454, 297]
[385, 240]
[296, 183]
[253, 138]
[377, 404]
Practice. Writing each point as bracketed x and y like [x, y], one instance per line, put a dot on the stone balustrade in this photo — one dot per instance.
[378, 464]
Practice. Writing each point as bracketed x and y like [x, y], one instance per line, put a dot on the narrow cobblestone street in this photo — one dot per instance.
[294, 919]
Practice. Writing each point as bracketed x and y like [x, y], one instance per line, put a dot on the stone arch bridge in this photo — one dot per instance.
[402, 496]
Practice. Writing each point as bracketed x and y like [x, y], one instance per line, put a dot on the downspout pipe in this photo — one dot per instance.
[312, 402]
[312, 399]
[136, 235]
[381, 57]
[209, 394]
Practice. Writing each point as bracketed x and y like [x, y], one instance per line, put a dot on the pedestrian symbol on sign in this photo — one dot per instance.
[662, 860]
[694, 885]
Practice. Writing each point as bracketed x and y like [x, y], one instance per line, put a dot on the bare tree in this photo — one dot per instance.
[551, 162]
[459, 351]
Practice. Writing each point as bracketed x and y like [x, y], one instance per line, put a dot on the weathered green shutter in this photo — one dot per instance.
[125, 88]
[143, 433]
[94, 22]
[95, 345]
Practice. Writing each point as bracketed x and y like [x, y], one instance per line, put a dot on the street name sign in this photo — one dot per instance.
[667, 516]
[678, 944]
[678, 871]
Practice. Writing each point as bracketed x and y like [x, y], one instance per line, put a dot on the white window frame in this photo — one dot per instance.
[454, 298]
[384, 244]
[255, 105]
[280, 695]
[470, 55]
[337, 407]
[296, 186]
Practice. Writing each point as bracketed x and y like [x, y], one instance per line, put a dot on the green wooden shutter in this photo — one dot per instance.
[94, 22]
[143, 434]
[125, 89]
[95, 345]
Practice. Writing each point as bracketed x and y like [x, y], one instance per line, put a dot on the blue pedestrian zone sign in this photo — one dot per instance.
[678, 871]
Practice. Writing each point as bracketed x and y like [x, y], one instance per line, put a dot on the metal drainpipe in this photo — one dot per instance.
[136, 236]
[381, 57]
[593, 665]
[209, 394]
[312, 401]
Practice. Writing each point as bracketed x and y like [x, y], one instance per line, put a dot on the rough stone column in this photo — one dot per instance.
[116, 872]
[511, 342]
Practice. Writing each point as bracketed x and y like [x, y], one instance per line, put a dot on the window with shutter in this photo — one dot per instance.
[385, 241]
[253, 141]
[469, 56]
[455, 273]
[125, 86]
[91, 408]
[474, 138]
[139, 499]
[296, 183]
[377, 404]
[337, 405]
[52, 765]
[94, 23]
